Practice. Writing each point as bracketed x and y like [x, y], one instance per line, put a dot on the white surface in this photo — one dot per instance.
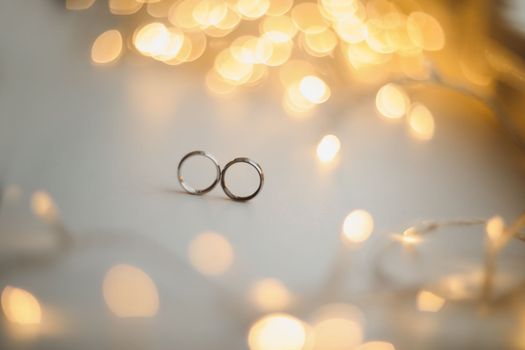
[105, 142]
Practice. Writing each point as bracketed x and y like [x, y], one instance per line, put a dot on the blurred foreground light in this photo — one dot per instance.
[357, 226]
[278, 29]
[107, 47]
[337, 334]
[495, 230]
[308, 18]
[124, 7]
[129, 292]
[328, 148]
[252, 9]
[429, 302]
[79, 4]
[270, 295]
[392, 101]
[421, 122]
[210, 12]
[20, 306]
[152, 39]
[279, 7]
[425, 31]
[376, 345]
[211, 254]
[277, 332]
[43, 206]
[314, 89]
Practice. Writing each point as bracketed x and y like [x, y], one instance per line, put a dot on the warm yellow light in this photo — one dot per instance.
[425, 31]
[159, 9]
[124, 7]
[251, 50]
[217, 85]
[230, 21]
[328, 148]
[43, 205]
[198, 45]
[351, 32]
[308, 18]
[181, 14]
[320, 44]
[20, 306]
[392, 101]
[429, 302]
[314, 89]
[231, 69]
[421, 122]
[211, 254]
[107, 47]
[377, 37]
[152, 39]
[360, 56]
[279, 7]
[410, 236]
[270, 294]
[294, 70]
[342, 10]
[357, 226]
[277, 332]
[129, 292]
[337, 334]
[252, 9]
[79, 4]
[209, 12]
[173, 48]
[495, 228]
[376, 345]
[278, 29]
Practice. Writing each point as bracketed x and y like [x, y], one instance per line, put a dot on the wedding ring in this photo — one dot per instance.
[256, 166]
[190, 189]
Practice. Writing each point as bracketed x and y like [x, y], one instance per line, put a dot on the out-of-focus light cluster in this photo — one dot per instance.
[20, 306]
[356, 36]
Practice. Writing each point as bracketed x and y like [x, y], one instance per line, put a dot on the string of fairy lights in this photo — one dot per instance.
[248, 41]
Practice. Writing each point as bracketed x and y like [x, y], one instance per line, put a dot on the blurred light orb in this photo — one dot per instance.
[308, 18]
[328, 148]
[210, 12]
[280, 29]
[107, 47]
[376, 345]
[429, 302]
[337, 334]
[20, 306]
[124, 7]
[211, 254]
[270, 294]
[152, 39]
[43, 205]
[277, 332]
[495, 228]
[79, 4]
[279, 7]
[392, 101]
[320, 44]
[252, 9]
[421, 122]
[425, 31]
[358, 226]
[314, 89]
[129, 292]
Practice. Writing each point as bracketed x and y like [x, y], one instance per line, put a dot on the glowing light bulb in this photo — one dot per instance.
[211, 254]
[270, 295]
[357, 226]
[314, 89]
[392, 101]
[107, 47]
[277, 332]
[421, 122]
[429, 302]
[328, 148]
[20, 306]
[129, 292]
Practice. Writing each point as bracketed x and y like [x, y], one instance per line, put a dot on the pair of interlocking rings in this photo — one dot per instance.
[221, 175]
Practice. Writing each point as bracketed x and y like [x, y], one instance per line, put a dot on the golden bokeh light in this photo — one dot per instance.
[270, 294]
[181, 14]
[495, 228]
[43, 206]
[376, 345]
[217, 85]
[308, 18]
[294, 70]
[421, 122]
[392, 101]
[20, 306]
[342, 10]
[337, 333]
[107, 47]
[124, 7]
[328, 148]
[176, 48]
[159, 9]
[425, 31]
[279, 7]
[209, 12]
[152, 39]
[229, 68]
[129, 292]
[429, 302]
[320, 44]
[252, 9]
[314, 89]
[211, 254]
[279, 29]
[277, 332]
[357, 226]
[79, 4]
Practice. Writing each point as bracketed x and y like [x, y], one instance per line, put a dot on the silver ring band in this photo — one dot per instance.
[256, 166]
[190, 189]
